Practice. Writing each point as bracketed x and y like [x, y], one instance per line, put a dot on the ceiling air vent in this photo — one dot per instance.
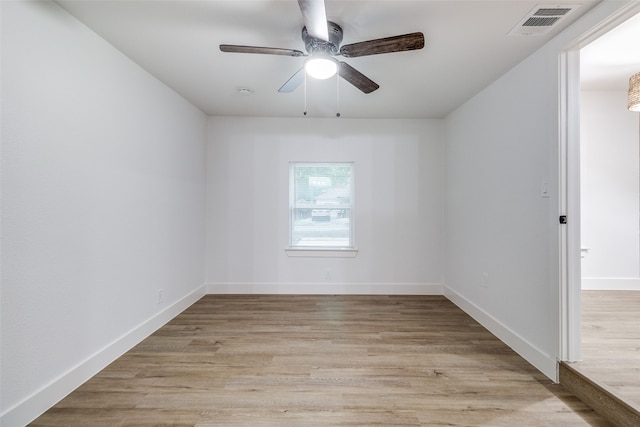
[541, 19]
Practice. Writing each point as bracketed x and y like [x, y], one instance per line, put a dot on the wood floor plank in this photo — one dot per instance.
[599, 396]
[267, 360]
[611, 341]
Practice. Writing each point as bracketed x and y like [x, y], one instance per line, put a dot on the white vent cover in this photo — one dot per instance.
[542, 19]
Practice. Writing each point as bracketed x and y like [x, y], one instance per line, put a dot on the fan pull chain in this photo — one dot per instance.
[337, 95]
[305, 92]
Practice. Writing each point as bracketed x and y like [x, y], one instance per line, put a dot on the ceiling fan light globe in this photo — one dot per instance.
[321, 68]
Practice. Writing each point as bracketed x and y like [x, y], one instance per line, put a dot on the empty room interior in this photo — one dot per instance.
[198, 230]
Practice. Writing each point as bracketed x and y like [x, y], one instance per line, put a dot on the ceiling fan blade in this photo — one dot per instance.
[356, 78]
[400, 43]
[293, 82]
[263, 50]
[315, 18]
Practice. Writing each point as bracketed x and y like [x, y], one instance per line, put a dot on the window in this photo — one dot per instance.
[321, 209]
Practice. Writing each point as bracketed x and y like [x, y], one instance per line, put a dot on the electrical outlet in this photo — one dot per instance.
[160, 296]
[485, 280]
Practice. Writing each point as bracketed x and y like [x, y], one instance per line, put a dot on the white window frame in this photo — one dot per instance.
[340, 251]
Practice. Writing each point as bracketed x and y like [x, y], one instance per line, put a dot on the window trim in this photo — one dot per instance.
[321, 251]
[313, 252]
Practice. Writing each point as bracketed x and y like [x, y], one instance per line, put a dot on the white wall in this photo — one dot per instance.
[497, 223]
[501, 147]
[398, 205]
[610, 191]
[103, 204]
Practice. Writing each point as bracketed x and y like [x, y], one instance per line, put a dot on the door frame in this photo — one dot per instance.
[569, 177]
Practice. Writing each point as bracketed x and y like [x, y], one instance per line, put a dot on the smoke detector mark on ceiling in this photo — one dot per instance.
[245, 91]
[541, 19]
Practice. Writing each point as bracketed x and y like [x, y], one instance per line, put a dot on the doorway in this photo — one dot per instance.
[602, 171]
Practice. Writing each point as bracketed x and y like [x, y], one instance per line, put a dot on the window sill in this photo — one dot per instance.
[321, 252]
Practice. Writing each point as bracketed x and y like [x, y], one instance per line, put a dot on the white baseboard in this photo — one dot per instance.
[326, 288]
[542, 361]
[36, 404]
[610, 284]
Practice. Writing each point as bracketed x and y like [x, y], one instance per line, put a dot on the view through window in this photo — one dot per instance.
[321, 210]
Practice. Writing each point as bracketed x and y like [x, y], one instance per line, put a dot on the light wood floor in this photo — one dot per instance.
[611, 341]
[321, 361]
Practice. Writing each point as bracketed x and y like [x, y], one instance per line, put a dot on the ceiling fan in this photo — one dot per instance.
[322, 40]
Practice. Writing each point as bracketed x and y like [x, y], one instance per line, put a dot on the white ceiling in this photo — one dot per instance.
[608, 62]
[467, 47]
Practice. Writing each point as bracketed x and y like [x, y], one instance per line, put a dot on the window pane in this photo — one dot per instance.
[321, 210]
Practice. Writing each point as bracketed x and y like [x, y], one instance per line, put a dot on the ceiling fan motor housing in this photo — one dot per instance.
[315, 45]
